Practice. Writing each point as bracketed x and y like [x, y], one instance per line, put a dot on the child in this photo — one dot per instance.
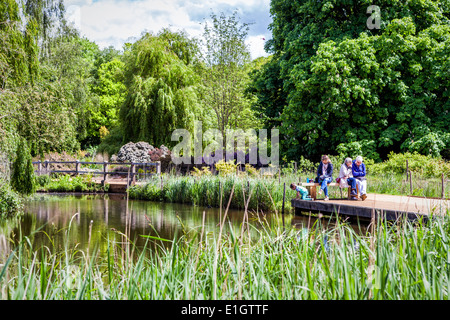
[300, 190]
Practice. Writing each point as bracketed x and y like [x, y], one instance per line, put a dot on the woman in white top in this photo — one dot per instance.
[346, 177]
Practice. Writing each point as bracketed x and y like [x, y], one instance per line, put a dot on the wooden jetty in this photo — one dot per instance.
[389, 207]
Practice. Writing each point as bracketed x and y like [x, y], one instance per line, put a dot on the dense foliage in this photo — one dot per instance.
[23, 178]
[162, 88]
[332, 81]
[10, 202]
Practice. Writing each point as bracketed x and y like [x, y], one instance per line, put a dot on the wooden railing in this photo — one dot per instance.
[43, 168]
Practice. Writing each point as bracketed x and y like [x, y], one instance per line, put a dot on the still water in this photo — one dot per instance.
[59, 221]
[72, 220]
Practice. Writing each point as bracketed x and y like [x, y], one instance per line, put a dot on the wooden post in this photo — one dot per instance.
[133, 173]
[77, 167]
[46, 167]
[39, 167]
[158, 168]
[105, 169]
[443, 187]
[407, 170]
[410, 183]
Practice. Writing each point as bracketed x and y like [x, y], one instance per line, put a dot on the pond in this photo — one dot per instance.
[59, 221]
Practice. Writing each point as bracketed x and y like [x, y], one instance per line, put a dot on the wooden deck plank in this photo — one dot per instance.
[390, 206]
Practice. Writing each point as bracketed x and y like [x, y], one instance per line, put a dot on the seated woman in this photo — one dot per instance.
[346, 178]
[359, 172]
[324, 175]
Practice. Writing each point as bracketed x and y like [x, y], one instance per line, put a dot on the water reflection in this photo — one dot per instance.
[66, 221]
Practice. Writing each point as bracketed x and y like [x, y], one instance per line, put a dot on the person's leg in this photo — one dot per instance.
[304, 194]
[325, 186]
[320, 181]
[363, 187]
[363, 190]
[352, 182]
[359, 185]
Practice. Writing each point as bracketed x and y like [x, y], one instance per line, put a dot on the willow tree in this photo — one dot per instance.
[161, 88]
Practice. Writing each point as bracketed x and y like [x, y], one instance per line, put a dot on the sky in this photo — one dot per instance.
[114, 22]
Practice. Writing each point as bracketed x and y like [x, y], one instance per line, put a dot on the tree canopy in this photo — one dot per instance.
[333, 82]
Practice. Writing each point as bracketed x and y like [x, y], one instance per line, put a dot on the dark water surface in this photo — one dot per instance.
[60, 221]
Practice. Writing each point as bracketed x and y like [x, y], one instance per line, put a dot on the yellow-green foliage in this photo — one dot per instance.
[251, 171]
[226, 168]
[199, 173]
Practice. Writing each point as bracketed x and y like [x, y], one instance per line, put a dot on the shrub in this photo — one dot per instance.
[364, 148]
[23, 178]
[43, 180]
[10, 202]
[112, 142]
[226, 168]
[199, 173]
[426, 166]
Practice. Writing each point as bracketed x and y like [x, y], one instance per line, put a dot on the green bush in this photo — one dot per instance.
[10, 202]
[43, 180]
[425, 166]
[23, 178]
[66, 183]
[112, 143]
[364, 148]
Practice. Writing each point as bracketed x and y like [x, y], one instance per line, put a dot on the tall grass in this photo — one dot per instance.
[390, 261]
[267, 194]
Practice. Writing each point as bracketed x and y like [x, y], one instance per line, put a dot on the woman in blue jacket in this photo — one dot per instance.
[324, 175]
[359, 172]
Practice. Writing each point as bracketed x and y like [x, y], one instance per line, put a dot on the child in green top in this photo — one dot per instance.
[300, 190]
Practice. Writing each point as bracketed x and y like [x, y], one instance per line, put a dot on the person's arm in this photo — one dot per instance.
[330, 170]
[363, 166]
[355, 171]
[329, 173]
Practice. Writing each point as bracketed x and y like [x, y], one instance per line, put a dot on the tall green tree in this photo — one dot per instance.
[162, 88]
[225, 76]
[343, 82]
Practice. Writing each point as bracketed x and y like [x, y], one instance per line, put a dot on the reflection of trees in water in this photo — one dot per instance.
[111, 219]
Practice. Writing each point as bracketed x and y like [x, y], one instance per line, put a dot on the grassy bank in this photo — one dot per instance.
[66, 183]
[389, 262]
[266, 193]
[212, 191]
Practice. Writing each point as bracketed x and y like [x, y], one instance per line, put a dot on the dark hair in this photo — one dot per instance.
[292, 185]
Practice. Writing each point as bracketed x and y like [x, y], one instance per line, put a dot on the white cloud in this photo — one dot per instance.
[113, 22]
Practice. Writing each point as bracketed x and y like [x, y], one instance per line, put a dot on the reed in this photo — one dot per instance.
[391, 261]
[205, 191]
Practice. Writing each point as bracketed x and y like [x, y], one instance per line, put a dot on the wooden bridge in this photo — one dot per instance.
[118, 181]
[390, 207]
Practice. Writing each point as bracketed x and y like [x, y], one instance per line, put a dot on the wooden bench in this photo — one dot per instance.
[312, 189]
